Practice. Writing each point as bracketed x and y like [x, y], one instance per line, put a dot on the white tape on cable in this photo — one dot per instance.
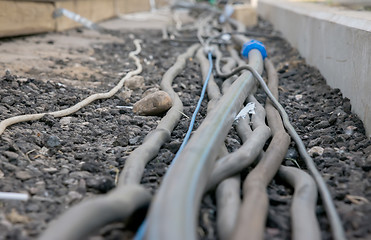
[248, 109]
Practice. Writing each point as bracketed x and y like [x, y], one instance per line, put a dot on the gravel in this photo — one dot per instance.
[61, 162]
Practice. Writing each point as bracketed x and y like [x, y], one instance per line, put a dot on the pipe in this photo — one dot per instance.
[228, 191]
[235, 55]
[134, 166]
[246, 154]
[87, 216]
[188, 176]
[83, 219]
[228, 203]
[65, 112]
[230, 63]
[14, 196]
[209, 78]
[228, 198]
[254, 208]
[213, 91]
[334, 219]
[304, 222]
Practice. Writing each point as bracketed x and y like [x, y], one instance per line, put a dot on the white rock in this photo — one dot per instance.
[125, 94]
[65, 120]
[135, 82]
[350, 130]
[315, 151]
[50, 170]
[23, 175]
[298, 97]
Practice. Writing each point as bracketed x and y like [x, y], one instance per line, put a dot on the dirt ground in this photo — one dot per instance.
[62, 161]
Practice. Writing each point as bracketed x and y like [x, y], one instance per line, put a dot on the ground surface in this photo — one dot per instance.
[60, 162]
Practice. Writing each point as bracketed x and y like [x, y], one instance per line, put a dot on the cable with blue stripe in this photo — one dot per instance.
[193, 119]
[142, 229]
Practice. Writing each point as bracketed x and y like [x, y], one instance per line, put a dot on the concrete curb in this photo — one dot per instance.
[336, 41]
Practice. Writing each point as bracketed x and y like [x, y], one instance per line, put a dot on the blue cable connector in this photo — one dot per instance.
[253, 44]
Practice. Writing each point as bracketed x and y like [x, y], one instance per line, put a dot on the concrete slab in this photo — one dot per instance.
[336, 41]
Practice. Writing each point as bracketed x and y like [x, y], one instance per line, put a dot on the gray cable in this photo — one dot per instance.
[304, 223]
[334, 219]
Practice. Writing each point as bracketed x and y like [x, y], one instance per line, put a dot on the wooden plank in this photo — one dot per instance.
[27, 17]
[20, 18]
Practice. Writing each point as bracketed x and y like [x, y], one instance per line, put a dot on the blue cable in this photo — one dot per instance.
[143, 226]
[141, 230]
[193, 119]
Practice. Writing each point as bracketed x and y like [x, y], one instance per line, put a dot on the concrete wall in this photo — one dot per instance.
[337, 42]
[362, 2]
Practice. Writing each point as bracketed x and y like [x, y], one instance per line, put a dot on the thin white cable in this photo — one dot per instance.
[14, 196]
[61, 113]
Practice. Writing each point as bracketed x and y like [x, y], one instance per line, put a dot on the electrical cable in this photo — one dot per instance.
[65, 112]
[228, 192]
[304, 223]
[188, 177]
[82, 219]
[142, 228]
[336, 226]
[338, 234]
[254, 208]
[194, 115]
[136, 162]
[246, 154]
[131, 175]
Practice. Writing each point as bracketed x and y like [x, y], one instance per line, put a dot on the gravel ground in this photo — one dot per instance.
[60, 162]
